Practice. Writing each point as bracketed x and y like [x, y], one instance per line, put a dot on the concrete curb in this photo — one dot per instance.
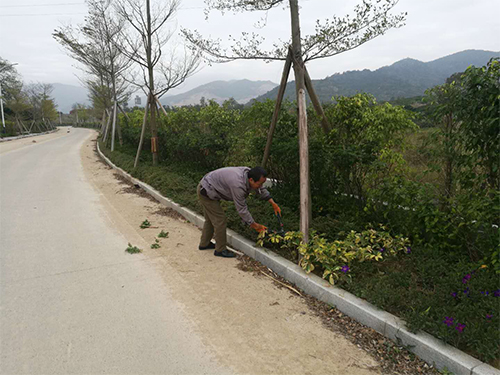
[26, 136]
[425, 346]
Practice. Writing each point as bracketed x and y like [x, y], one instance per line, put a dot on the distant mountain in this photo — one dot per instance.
[67, 95]
[403, 79]
[240, 90]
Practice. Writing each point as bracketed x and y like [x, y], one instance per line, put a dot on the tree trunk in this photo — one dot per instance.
[298, 67]
[277, 107]
[305, 196]
[154, 129]
[113, 131]
[142, 132]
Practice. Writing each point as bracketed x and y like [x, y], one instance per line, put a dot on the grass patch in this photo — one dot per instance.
[132, 249]
[145, 224]
[163, 234]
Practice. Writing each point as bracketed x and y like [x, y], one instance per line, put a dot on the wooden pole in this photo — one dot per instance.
[107, 127]
[19, 126]
[23, 127]
[316, 103]
[161, 107]
[103, 121]
[114, 128]
[277, 107]
[122, 111]
[119, 129]
[142, 131]
[304, 166]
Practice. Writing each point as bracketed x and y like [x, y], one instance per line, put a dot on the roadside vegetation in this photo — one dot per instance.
[26, 108]
[403, 216]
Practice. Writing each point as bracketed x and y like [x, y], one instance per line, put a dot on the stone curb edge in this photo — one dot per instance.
[26, 136]
[425, 346]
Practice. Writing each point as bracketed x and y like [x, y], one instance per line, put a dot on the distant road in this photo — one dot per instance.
[71, 300]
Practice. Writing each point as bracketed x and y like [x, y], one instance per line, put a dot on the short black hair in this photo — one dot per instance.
[257, 173]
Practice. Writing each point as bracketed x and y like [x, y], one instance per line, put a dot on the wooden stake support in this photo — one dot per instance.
[160, 106]
[316, 103]
[142, 132]
[277, 107]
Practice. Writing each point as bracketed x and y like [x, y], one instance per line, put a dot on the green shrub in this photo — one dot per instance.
[335, 259]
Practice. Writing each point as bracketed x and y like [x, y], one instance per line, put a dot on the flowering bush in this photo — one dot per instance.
[335, 258]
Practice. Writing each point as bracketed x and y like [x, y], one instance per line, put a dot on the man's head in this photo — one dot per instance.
[257, 177]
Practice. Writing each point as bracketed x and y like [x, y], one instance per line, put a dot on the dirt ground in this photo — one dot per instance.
[251, 323]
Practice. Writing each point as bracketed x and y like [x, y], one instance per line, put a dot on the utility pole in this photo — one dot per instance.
[1, 98]
[1, 105]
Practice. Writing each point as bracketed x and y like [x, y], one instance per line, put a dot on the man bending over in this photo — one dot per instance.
[229, 184]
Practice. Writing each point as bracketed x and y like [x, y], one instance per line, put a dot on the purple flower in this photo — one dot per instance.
[382, 250]
[496, 293]
[345, 269]
[454, 294]
[448, 321]
[460, 327]
[466, 278]
[489, 316]
[466, 291]
[485, 293]
[408, 250]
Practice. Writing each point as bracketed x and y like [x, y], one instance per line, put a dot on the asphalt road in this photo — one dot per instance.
[71, 300]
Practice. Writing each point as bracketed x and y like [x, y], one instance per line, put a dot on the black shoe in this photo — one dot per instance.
[225, 254]
[211, 245]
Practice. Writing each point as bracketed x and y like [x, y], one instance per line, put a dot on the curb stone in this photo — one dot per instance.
[26, 136]
[425, 346]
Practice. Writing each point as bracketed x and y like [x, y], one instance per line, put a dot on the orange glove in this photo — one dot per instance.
[277, 209]
[258, 227]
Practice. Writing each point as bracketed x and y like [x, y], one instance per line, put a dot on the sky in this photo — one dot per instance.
[434, 28]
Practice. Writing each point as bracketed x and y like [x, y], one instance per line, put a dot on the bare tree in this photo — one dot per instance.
[145, 46]
[331, 37]
[43, 108]
[96, 45]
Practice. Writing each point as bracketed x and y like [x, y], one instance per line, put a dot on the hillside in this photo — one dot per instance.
[403, 79]
[241, 90]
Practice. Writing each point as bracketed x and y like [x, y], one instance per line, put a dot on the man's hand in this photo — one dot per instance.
[258, 227]
[276, 208]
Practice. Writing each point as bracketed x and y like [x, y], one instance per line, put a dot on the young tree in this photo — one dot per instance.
[96, 45]
[145, 47]
[480, 117]
[443, 109]
[8, 77]
[18, 103]
[43, 108]
[331, 37]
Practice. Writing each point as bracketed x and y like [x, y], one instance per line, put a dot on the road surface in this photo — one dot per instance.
[72, 301]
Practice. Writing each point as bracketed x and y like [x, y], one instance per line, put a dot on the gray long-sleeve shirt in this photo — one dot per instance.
[231, 184]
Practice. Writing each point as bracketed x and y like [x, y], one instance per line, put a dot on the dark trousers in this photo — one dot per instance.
[215, 221]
